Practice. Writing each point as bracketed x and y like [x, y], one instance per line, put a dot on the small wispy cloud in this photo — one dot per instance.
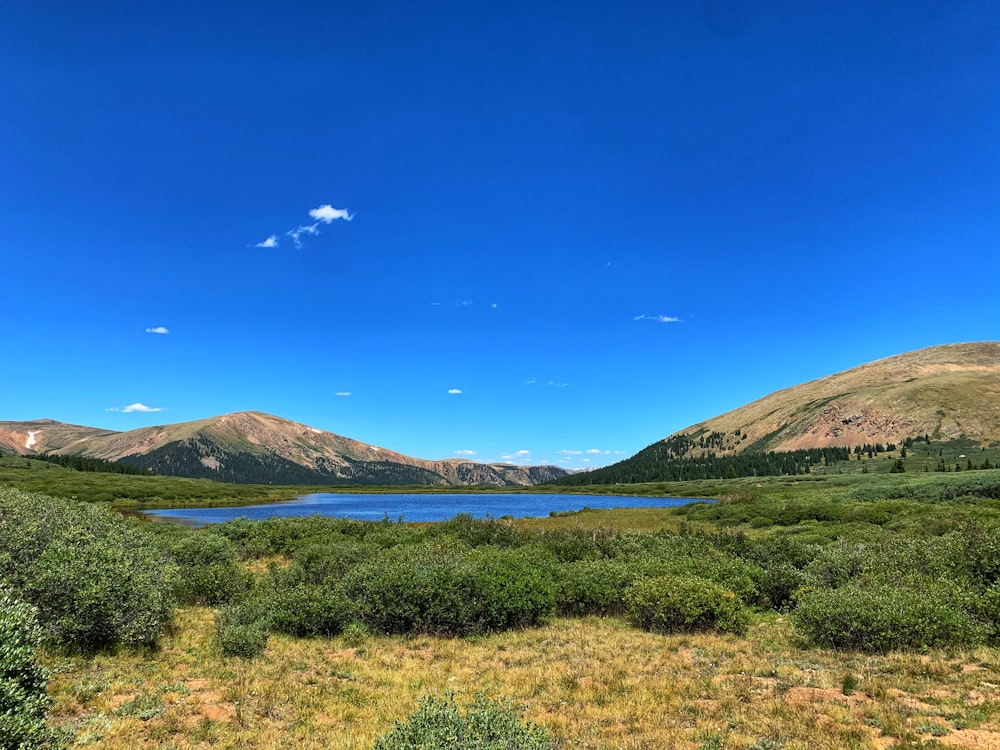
[454, 391]
[136, 407]
[593, 450]
[658, 318]
[465, 453]
[322, 215]
[296, 233]
[461, 302]
[531, 382]
[523, 453]
[342, 393]
[554, 384]
[569, 452]
[158, 329]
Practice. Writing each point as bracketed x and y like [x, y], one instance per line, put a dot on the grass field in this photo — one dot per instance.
[595, 682]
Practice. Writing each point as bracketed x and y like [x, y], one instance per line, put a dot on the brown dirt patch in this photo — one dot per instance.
[977, 738]
[802, 695]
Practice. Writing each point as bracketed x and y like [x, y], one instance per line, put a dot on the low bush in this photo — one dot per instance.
[242, 630]
[329, 563]
[96, 578]
[209, 570]
[309, 610]
[23, 701]
[447, 590]
[486, 724]
[673, 604]
[592, 587]
[880, 617]
[479, 532]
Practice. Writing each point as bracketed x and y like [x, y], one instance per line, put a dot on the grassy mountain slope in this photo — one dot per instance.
[946, 392]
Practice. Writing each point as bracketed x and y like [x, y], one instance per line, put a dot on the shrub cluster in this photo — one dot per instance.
[95, 577]
[675, 604]
[242, 630]
[901, 593]
[447, 590]
[879, 592]
[884, 617]
[209, 569]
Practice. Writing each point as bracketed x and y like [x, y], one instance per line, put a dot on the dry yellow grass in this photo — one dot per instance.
[596, 683]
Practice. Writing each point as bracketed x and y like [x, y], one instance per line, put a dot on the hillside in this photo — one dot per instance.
[253, 447]
[946, 393]
[43, 435]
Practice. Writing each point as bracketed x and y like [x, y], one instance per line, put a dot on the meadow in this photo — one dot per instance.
[838, 610]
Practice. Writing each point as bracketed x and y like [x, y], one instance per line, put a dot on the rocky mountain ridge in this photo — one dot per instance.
[259, 448]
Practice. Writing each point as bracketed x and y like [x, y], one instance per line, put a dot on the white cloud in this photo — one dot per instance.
[342, 393]
[531, 382]
[569, 453]
[299, 231]
[322, 215]
[135, 407]
[658, 318]
[454, 391]
[523, 453]
[461, 302]
[327, 213]
[465, 453]
[593, 450]
[158, 329]
[493, 305]
[557, 385]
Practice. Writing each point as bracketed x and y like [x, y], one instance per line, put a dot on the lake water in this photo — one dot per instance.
[415, 507]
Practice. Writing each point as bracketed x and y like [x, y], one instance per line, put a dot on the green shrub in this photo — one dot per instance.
[778, 583]
[570, 545]
[23, 701]
[96, 578]
[486, 724]
[242, 630]
[479, 532]
[880, 617]
[447, 590]
[328, 563]
[309, 610]
[209, 570]
[684, 604]
[592, 587]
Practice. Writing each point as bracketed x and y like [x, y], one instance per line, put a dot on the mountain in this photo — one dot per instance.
[944, 392]
[253, 447]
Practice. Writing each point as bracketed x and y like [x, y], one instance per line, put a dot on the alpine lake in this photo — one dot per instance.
[421, 507]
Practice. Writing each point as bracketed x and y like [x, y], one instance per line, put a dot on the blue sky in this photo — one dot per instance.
[537, 232]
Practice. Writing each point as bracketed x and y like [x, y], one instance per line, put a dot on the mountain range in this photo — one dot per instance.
[253, 447]
[943, 392]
